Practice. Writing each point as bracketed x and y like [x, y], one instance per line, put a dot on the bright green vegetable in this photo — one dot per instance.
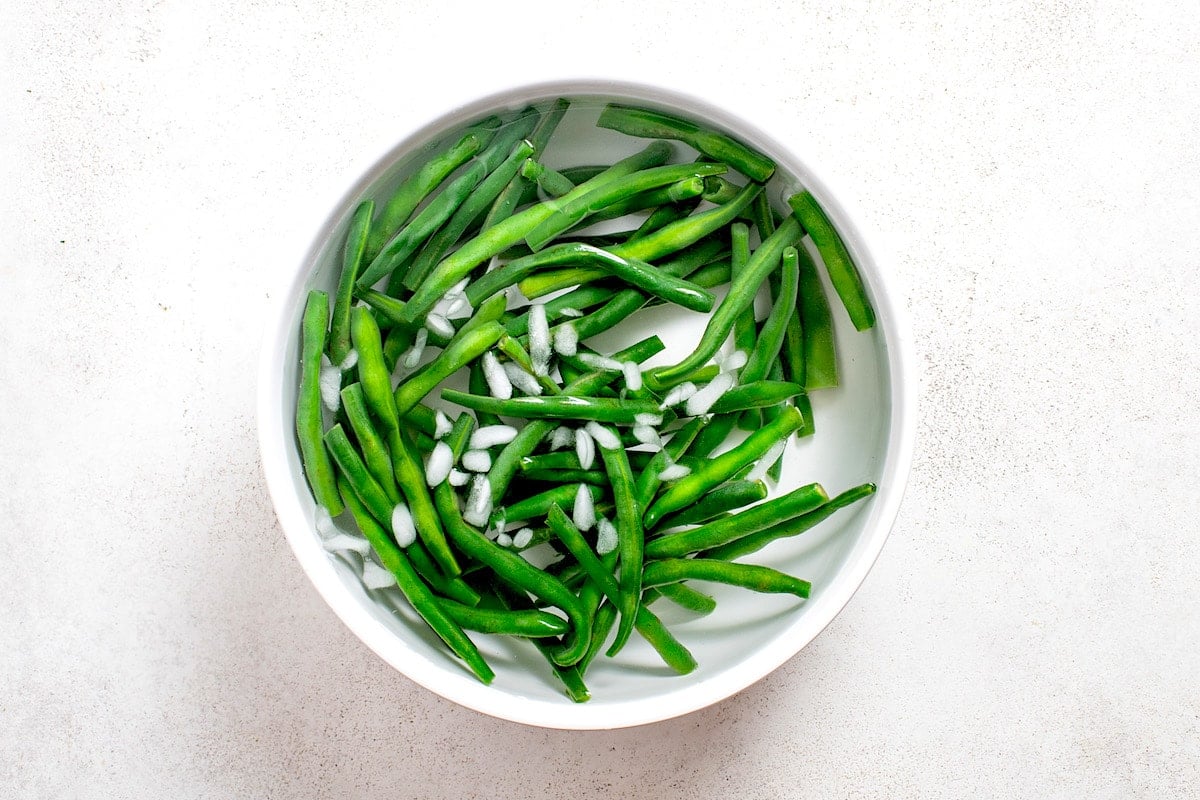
[819, 356]
[318, 469]
[741, 295]
[842, 272]
[673, 653]
[352, 259]
[712, 473]
[506, 233]
[715, 145]
[414, 590]
[749, 576]
[745, 545]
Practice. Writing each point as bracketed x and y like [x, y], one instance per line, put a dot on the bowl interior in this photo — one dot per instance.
[862, 435]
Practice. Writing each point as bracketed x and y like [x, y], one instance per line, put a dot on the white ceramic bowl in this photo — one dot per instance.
[864, 433]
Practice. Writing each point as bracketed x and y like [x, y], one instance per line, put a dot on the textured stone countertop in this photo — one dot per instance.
[1031, 627]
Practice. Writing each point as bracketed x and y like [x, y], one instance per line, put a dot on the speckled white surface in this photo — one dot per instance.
[1032, 625]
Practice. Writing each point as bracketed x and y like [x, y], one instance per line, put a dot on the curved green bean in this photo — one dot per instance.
[673, 653]
[657, 125]
[838, 264]
[528, 622]
[318, 469]
[741, 294]
[748, 576]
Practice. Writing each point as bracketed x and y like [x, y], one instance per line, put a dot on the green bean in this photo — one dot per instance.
[768, 414]
[816, 321]
[683, 596]
[350, 464]
[513, 349]
[513, 194]
[352, 258]
[765, 218]
[374, 451]
[718, 190]
[669, 195]
[725, 497]
[375, 500]
[722, 531]
[508, 567]
[632, 271]
[476, 203]
[569, 211]
[504, 234]
[712, 473]
[372, 371]
[679, 235]
[663, 216]
[529, 622]
[745, 545]
[748, 576]
[744, 326]
[410, 476]
[318, 469]
[551, 181]
[741, 294]
[385, 306]
[506, 463]
[571, 407]
[592, 477]
[630, 540]
[712, 275]
[464, 348]
[792, 356]
[414, 590]
[538, 505]
[648, 482]
[396, 211]
[838, 264]
[567, 459]
[758, 394]
[602, 625]
[673, 653]
[570, 675]
[713, 436]
[770, 336]
[418, 230]
[656, 125]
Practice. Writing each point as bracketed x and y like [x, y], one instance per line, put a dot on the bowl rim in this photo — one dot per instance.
[296, 520]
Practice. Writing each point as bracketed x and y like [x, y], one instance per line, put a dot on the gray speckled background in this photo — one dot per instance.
[1031, 627]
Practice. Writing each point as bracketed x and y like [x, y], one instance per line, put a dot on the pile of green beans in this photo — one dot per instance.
[567, 489]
